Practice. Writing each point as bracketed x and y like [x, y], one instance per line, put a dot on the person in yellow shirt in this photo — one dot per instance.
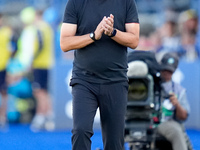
[35, 54]
[5, 53]
[42, 63]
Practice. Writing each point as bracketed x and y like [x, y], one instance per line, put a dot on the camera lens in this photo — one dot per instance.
[138, 90]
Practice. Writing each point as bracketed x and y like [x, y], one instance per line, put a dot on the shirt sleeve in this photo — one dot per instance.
[70, 15]
[132, 12]
[183, 101]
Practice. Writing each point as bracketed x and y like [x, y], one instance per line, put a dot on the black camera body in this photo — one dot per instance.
[144, 101]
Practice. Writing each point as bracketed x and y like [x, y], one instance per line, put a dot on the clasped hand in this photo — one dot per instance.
[173, 99]
[105, 26]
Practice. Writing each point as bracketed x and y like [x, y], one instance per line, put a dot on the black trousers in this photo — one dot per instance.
[111, 100]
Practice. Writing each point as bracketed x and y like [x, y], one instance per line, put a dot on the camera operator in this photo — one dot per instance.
[175, 107]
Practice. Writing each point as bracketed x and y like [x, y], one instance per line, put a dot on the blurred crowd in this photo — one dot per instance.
[177, 34]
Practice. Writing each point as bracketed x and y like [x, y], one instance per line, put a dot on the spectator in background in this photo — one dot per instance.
[5, 53]
[189, 49]
[188, 21]
[188, 26]
[26, 43]
[146, 39]
[156, 41]
[35, 55]
[169, 33]
[42, 63]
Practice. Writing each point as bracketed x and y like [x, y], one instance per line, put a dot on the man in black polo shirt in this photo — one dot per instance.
[100, 31]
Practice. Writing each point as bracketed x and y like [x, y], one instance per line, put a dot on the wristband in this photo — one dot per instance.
[113, 33]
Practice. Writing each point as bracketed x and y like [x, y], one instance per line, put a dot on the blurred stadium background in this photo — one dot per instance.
[152, 14]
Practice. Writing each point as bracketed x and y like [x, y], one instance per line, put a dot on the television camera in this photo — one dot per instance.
[144, 101]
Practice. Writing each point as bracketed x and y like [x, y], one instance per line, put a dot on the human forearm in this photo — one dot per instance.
[181, 113]
[126, 39]
[68, 43]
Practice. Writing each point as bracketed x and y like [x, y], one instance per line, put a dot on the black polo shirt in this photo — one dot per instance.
[104, 60]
